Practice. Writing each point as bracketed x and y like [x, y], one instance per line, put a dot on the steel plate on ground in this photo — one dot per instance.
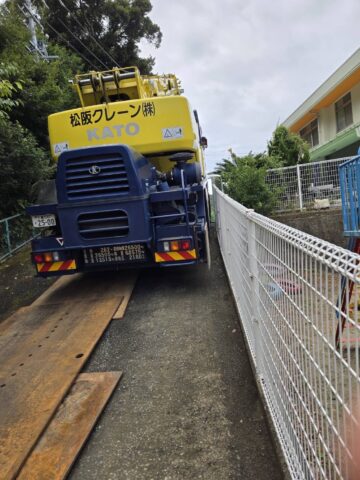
[91, 286]
[61, 442]
[42, 349]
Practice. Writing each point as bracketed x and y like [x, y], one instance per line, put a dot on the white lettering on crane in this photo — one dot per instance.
[92, 133]
[107, 133]
[131, 129]
[118, 129]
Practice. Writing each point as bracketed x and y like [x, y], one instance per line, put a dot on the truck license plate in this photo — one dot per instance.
[47, 220]
[115, 254]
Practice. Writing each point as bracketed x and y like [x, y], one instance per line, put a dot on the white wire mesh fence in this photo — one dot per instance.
[294, 293]
[300, 186]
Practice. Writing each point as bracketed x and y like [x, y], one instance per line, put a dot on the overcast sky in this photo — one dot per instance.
[246, 65]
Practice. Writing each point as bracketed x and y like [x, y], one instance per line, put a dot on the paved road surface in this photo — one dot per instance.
[187, 406]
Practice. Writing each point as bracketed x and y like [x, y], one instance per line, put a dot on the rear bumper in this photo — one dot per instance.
[76, 260]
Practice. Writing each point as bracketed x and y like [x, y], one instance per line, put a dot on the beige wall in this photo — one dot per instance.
[355, 96]
[327, 119]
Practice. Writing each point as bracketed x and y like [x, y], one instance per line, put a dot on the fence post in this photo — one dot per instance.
[7, 235]
[299, 186]
[255, 294]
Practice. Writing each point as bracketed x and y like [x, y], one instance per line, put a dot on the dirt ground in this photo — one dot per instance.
[187, 406]
[18, 284]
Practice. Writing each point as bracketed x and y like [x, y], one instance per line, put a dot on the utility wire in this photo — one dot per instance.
[34, 17]
[63, 39]
[91, 36]
[78, 39]
[72, 46]
[83, 44]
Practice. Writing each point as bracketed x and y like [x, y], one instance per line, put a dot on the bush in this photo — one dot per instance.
[244, 177]
[22, 164]
[244, 180]
[247, 186]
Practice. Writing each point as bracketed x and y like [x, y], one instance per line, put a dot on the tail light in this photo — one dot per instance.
[185, 244]
[38, 258]
[46, 257]
[176, 245]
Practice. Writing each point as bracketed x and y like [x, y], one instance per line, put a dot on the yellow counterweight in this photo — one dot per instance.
[122, 107]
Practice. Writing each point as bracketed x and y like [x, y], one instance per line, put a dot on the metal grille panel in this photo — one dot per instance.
[96, 176]
[108, 224]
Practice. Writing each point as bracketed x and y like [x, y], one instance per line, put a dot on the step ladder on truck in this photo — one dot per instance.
[130, 186]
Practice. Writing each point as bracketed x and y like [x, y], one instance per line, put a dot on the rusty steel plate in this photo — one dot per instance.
[92, 286]
[63, 439]
[42, 349]
[128, 289]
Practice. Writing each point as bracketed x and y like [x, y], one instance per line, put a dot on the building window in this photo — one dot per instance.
[343, 112]
[310, 133]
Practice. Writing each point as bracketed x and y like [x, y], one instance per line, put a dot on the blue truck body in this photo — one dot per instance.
[114, 210]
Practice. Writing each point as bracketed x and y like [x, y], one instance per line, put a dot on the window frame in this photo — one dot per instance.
[308, 132]
[340, 107]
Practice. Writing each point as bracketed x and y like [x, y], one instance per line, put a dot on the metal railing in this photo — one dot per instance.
[300, 186]
[296, 294]
[15, 232]
[349, 173]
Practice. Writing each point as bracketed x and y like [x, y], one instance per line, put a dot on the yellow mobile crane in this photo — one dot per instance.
[130, 186]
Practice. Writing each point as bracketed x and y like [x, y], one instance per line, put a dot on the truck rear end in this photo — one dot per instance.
[125, 194]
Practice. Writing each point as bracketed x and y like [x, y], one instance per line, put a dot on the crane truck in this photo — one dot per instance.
[130, 185]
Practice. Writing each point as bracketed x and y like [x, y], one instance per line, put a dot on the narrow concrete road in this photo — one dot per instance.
[187, 406]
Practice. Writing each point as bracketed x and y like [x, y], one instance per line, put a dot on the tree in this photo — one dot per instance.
[8, 87]
[288, 148]
[46, 87]
[244, 180]
[22, 164]
[30, 89]
[247, 186]
[258, 160]
[47, 91]
[110, 29]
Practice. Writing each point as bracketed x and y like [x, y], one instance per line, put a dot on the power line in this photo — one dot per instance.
[37, 46]
[71, 46]
[63, 39]
[82, 43]
[93, 38]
